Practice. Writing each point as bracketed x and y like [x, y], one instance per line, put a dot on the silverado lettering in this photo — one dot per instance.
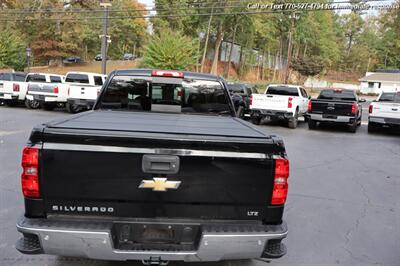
[82, 209]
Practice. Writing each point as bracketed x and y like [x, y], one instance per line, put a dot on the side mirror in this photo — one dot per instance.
[362, 100]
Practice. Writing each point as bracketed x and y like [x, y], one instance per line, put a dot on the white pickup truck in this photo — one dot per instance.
[83, 90]
[385, 111]
[45, 90]
[279, 102]
[12, 88]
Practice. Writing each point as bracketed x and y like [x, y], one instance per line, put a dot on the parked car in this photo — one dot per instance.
[45, 90]
[83, 90]
[279, 102]
[384, 112]
[128, 57]
[73, 59]
[245, 91]
[161, 170]
[12, 88]
[338, 106]
[99, 57]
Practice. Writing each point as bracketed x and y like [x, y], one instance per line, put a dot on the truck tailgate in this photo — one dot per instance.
[270, 102]
[85, 92]
[389, 109]
[85, 167]
[331, 107]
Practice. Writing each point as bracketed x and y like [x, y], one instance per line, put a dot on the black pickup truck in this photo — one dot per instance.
[161, 170]
[337, 106]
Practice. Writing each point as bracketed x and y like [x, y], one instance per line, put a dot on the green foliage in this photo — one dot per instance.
[170, 50]
[12, 50]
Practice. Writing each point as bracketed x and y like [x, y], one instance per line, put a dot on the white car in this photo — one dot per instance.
[279, 102]
[83, 90]
[46, 90]
[385, 111]
[12, 88]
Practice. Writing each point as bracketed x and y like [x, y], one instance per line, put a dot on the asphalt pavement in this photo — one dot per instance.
[343, 205]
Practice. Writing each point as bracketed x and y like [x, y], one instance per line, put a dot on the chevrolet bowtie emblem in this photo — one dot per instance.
[159, 184]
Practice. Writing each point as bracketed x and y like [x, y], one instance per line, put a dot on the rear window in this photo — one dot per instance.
[19, 77]
[98, 80]
[192, 96]
[390, 97]
[236, 88]
[77, 78]
[55, 79]
[36, 78]
[5, 76]
[346, 95]
[282, 90]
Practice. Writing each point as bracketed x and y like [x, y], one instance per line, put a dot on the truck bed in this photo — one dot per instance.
[160, 123]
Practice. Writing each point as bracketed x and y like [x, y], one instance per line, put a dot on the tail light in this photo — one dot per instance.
[30, 174]
[371, 107]
[309, 106]
[55, 89]
[289, 104]
[251, 99]
[15, 87]
[167, 73]
[354, 108]
[280, 190]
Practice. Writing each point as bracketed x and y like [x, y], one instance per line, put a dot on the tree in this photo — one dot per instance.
[12, 50]
[170, 50]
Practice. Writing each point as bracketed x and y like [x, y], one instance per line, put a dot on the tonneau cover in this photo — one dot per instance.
[161, 123]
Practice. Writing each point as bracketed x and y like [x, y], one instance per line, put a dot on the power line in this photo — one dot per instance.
[58, 11]
[185, 15]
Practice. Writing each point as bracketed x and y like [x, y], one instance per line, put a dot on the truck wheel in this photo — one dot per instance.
[255, 120]
[353, 127]
[312, 124]
[72, 108]
[48, 106]
[292, 123]
[372, 128]
[11, 103]
[240, 112]
[32, 104]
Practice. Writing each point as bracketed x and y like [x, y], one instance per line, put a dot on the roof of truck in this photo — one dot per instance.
[148, 72]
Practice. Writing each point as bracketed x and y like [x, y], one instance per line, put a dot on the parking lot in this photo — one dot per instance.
[343, 206]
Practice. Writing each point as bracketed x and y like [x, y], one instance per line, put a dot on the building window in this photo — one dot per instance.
[371, 85]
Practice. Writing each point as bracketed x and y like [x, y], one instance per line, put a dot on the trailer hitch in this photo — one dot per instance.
[155, 261]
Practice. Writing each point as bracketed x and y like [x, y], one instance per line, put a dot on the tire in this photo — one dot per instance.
[240, 112]
[48, 106]
[72, 108]
[353, 128]
[32, 104]
[372, 128]
[292, 123]
[312, 124]
[255, 120]
[11, 103]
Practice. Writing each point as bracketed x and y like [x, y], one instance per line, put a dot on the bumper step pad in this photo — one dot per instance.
[274, 249]
[29, 244]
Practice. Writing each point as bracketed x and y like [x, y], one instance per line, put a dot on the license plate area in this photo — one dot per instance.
[329, 116]
[170, 237]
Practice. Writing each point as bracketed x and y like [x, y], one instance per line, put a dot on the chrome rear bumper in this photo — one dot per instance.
[94, 240]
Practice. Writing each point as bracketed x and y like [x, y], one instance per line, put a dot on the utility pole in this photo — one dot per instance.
[206, 42]
[104, 40]
[293, 17]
